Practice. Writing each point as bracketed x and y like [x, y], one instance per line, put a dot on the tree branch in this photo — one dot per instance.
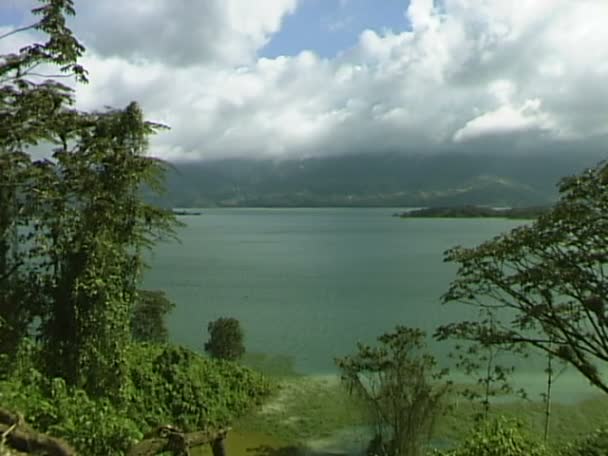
[170, 439]
[22, 437]
[18, 30]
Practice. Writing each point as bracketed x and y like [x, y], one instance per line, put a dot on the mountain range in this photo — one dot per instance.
[388, 179]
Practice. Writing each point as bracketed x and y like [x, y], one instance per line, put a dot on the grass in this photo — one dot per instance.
[310, 408]
[274, 366]
[251, 444]
[306, 408]
[567, 421]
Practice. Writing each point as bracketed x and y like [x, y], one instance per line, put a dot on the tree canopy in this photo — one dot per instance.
[226, 339]
[544, 283]
[72, 225]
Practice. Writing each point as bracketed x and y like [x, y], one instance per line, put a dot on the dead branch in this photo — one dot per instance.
[171, 439]
[21, 437]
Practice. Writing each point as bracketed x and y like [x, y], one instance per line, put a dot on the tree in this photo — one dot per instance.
[95, 227]
[30, 105]
[544, 282]
[225, 339]
[148, 317]
[86, 221]
[401, 385]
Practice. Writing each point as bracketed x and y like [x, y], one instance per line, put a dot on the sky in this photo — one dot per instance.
[302, 78]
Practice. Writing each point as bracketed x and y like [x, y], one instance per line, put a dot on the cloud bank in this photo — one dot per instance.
[461, 72]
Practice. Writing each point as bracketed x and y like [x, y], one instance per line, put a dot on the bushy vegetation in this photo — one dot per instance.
[176, 385]
[401, 384]
[498, 437]
[594, 444]
[167, 385]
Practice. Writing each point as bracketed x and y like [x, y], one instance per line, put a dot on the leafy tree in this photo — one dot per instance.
[148, 317]
[86, 224]
[95, 226]
[402, 387]
[225, 339]
[30, 106]
[544, 282]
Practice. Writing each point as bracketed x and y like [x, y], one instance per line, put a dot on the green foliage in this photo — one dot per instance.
[94, 226]
[544, 282]
[93, 427]
[225, 339]
[72, 232]
[176, 385]
[595, 444]
[499, 437]
[401, 385]
[168, 385]
[148, 316]
[72, 229]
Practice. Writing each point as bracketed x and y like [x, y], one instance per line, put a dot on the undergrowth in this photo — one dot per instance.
[168, 385]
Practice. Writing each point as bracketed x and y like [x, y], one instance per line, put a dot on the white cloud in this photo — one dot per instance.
[466, 69]
[507, 120]
[181, 32]
[422, 14]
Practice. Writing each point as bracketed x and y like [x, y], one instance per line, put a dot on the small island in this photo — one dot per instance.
[184, 212]
[471, 211]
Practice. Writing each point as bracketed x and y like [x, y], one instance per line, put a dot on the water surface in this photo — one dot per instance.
[310, 283]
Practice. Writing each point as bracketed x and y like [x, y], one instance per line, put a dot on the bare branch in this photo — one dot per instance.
[18, 30]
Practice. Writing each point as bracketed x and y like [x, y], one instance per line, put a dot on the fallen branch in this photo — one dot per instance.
[171, 439]
[21, 437]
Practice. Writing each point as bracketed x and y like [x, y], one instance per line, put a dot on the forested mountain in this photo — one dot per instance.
[375, 180]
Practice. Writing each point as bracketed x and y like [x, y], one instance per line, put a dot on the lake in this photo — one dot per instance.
[310, 283]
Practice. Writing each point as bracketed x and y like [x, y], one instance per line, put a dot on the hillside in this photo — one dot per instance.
[373, 180]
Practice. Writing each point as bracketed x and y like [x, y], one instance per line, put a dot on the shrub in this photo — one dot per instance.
[499, 437]
[167, 385]
[226, 339]
[93, 427]
[595, 444]
[401, 384]
[175, 385]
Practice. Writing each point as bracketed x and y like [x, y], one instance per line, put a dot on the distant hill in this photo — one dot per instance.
[374, 180]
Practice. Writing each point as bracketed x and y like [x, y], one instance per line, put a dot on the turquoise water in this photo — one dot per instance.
[310, 283]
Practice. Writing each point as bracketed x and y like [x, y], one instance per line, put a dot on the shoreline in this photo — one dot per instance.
[315, 414]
